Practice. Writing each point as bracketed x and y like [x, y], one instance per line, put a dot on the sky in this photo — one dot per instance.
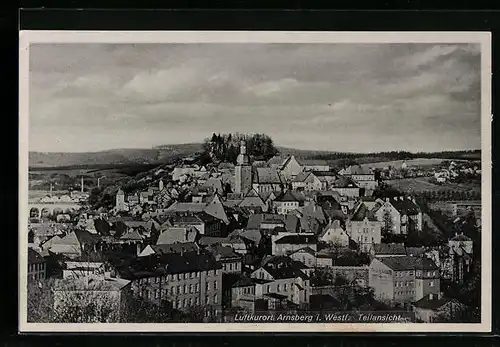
[336, 97]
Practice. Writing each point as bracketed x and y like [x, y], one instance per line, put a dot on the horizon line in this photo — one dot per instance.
[277, 146]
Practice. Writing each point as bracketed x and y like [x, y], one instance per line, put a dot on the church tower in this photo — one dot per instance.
[243, 171]
[120, 200]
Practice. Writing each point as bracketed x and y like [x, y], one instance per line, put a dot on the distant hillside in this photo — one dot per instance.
[155, 155]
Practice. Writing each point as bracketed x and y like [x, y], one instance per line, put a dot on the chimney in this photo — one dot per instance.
[440, 295]
[386, 199]
[431, 296]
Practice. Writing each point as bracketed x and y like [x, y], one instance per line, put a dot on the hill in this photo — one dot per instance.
[156, 155]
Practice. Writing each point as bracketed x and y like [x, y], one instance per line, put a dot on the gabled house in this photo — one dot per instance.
[289, 168]
[288, 201]
[306, 181]
[333, 233]
[437, 308]
[283, 245]
[400, 215]
[365, 178]
[266, 179]
[177, 235]
[382, 250]
[403, 279]
[282, 276]
[364, 229]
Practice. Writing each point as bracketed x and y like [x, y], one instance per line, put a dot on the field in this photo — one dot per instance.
[398, 163]
[422, 184]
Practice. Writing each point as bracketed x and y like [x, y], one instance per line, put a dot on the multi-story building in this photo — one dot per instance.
[283, 276]
[287, 201]
[37, 268]
[401, 215]
[306, 181]
[185, 280]
[289, 243]
[403, 279]
[364, 228]
[363, 177]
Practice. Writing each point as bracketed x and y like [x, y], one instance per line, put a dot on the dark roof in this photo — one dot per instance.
[290, 222]
[409, 263]
[244, 282]
[281, 267]
[363, 212]
[266, 175]
[344, 182]
[297, 239]
[175, 247]
[34, 257]
[306, 250]
[223, 252]
[389, 249]
[170, 263]
[289, 196]
[432, 304]
[460, 237]
[405, 206]
[85, 237]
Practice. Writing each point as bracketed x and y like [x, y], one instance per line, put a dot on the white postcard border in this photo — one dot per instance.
[482, 38]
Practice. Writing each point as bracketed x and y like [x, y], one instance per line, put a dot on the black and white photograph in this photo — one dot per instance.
[255, 181]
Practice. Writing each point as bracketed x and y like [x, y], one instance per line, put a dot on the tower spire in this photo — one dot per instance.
[243, 157]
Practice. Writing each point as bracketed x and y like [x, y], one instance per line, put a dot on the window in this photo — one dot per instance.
[186, 276]
[267, 288]
[215, 285]
[284, 287]
[179, 304]
[230, 266]
[157, 294]
[185, 289]
[197, 300]
[197, 287]
[184, 302]
[207, 286]
[191, 288]
[278, 288]
[190, 301]
[431, 284]
[207, 300]
[179, 289]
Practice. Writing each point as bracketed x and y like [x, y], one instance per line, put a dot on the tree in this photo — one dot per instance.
[387, 222]
[40, 302]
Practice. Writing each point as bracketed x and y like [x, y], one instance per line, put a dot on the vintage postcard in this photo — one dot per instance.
[255, 181]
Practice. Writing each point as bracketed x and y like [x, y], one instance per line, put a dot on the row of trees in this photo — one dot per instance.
[402, 155]
[450, 195]
[226, 147]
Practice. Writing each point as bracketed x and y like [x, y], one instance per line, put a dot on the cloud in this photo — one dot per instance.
[323, 96]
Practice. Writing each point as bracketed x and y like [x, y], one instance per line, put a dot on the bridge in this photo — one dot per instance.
[50, 208]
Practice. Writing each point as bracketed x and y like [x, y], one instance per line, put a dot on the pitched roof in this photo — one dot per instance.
[256, 220]
[131, 234]
[297, 239]
[344, 182]
[288, 196]
[170, 263]
[223, 252]
[405, 205]
[307, 249]
[302, 176]
[355, 170]
[363, 212]
[175, 248]
[389, 249]
[176, 234]
[90, 283]
[409, 263]
[432, 304]
[266, 175]
[34, 257]
[312, 162]
[460, 237]
[281, 267]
